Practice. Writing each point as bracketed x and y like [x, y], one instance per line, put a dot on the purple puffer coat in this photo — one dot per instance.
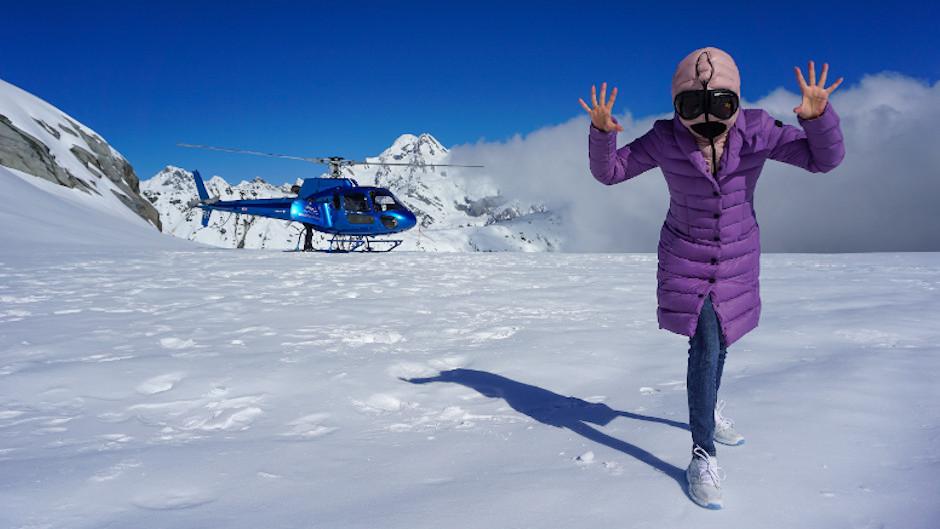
[710, 241]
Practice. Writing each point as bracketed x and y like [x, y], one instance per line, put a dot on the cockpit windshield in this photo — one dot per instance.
[385, 202]
[355, 202]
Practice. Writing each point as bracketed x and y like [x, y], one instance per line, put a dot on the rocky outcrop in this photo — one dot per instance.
[38, 139]
[118, 170]
[22, 151]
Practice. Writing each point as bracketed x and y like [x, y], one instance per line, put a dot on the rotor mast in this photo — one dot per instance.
[335, 163]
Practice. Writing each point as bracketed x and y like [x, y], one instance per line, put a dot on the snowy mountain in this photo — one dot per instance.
[172, 189]
[38, 139]
[457, 210]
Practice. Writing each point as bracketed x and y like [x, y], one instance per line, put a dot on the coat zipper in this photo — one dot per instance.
[714, 162]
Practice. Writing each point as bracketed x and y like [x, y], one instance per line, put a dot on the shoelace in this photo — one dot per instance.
[711, 468]
[721, 421]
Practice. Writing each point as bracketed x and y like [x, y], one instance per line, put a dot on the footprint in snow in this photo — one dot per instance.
[496, 333]
[196, 415]
[176, 343]
[408, 370]
[382, 402]
[387, 337]
[585, 459]
[159, 384]
[173, 498]
[114, 471]
[10, 414]
[227, 415]
[309, 427]
[449, 362]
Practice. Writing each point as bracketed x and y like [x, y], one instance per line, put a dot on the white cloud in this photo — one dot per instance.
[883, 197]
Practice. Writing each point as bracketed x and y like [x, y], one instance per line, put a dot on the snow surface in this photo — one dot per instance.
[39, 219]
[147, 381]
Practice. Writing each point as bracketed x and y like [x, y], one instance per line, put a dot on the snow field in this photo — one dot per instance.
[210, 388]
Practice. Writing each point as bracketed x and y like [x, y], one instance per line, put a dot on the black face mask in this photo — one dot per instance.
[709, 129]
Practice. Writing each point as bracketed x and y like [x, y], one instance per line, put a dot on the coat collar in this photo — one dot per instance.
[730, 157]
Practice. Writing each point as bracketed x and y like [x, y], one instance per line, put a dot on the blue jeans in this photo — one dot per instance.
[706, 361]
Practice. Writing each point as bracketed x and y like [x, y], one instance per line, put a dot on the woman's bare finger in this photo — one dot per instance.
[593, 95]
[613, 97]
[604, 94]
[822, 76]
[834, 86]
[812, 74]
[799, 78]
[583, 104]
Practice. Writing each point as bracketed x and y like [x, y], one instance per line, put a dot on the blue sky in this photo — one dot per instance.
[329, 80]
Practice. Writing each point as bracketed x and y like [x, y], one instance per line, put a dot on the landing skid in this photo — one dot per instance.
[361, 243]
[353, 243]
[349, 243]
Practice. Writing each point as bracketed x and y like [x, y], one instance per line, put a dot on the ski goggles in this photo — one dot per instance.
[721, 103]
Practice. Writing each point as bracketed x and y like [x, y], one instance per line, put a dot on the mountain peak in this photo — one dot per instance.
[410, 148]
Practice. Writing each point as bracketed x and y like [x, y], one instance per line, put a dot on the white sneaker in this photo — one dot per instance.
[724, 429]
[704, 477]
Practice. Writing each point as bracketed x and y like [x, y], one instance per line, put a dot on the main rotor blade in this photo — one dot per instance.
[256, 153]
[351, 162]
[321, 161]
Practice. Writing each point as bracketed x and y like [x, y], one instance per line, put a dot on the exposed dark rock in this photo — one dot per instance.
[26, 153]
[483, 206]
[20, 150]
[48, 128]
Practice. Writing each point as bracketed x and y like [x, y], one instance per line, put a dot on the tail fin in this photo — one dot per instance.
[203, 197]
[200, 186]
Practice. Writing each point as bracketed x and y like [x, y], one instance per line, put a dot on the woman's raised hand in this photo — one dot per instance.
[600, 114]
[814, 95]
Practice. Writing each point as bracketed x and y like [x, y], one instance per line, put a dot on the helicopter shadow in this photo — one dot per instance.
[559, 411]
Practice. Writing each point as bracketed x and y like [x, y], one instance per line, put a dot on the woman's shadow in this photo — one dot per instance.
[559, 411]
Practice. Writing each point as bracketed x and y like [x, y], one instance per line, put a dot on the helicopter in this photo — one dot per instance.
[356, 216]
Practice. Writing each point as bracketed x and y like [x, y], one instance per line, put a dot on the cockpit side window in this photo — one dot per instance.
[355, 202]
[385, 202]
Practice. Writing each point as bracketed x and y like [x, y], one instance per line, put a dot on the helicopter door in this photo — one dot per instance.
[356, 207]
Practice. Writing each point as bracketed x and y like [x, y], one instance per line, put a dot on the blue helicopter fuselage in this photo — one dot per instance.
[331, 205]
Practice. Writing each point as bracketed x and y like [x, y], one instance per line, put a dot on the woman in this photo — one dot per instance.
[711, 154]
